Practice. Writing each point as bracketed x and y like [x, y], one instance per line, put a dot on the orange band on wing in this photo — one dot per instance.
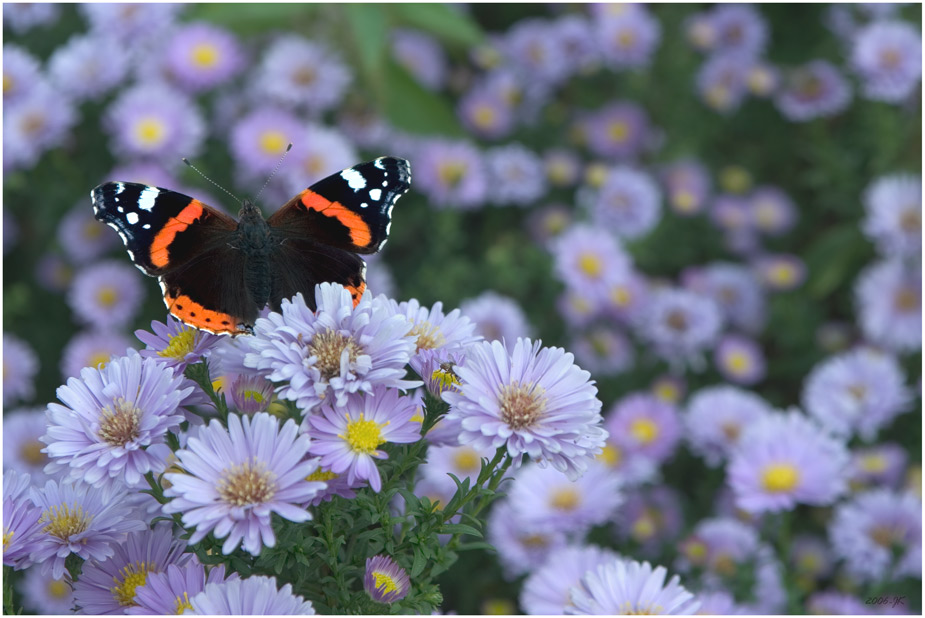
[161, 243]
[356, 292]
[190, 312]
[360, 233]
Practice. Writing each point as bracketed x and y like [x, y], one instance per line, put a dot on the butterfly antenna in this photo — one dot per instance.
[273, 173]
[198, 171]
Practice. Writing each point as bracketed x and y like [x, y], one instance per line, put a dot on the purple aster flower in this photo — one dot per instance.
[546, 590]
[44, 594]
[200, 56]
[297, 72]
[579, 307]
[234, 479]
[451, 174]
[84, 238]
[785, 459]
[520, 547]
[878, 465]
[833, 602]
[548, 222]
[20, 364]
[22, 17]
[80, 519]
[339, 350]
[39, 121]
[54, 273]
[589, 258]
[815, 89]
[861, 391]
[461, 461]
[652, 518]
[575, 36]
[335, 485]
[772, 211]
[736, 290]
[347, 437]
[434, 330]
[88, 66]
[532, 400]
[893, 205]
[562, 168]
[628, 38]
[811, 558]
[887, 55]
[669, 388]
[260, 138]
[722, 82]
[485, 113]
[624, 587]
[739, 28]
[155, 120]
[22, 520]
[251, 394]
[645, 424]
[687, 187]
[532, 47]
[618, 130]
[878, 533]
[716, 417]
[168, 591]
[780, 272]
[732, 213]
[516, 175]
[628, 203]
[145, 173]
[421, 55]
[175, 344]
[604, 351]
[496, 317]
[131, 22]
[21, 73]
[255, 596]
[318, 152]
[721, 545]
[768, 591]
[718, 602]
[438, 368]
[109, 586]
[680, 324]
[889, 297]
[113, 424]
[740, 360]
[385, 581]
[22, 449]
[626, 297]
[763, 79]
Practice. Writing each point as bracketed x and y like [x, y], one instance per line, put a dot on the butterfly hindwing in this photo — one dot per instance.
[300, 264]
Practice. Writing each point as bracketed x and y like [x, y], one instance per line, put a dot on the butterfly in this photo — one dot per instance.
[217, 273]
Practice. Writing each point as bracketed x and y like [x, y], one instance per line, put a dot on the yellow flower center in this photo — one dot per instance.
[911, 220]
[684, 201]
[484, 116]
[667, 391]
[65, 520]
[595, 174]
[618, 131]
[180, 344]
[873, 463]
[565, 499]
[644, 528]
[8, 84]
[120, 423]
[908, 299]
[718, 96]
[738, 362]
[611, 455]
[321, 475]
[31, 452]
[92, 229]
[644, 430]
[782, 274]
[521, 405]
[328, 347]
[247, 484]
[735, 179]
[58, 589]
[363, 436]
[272, 142]
[107, 296]
[780, 477]
[631, 609]
[534, 540]
[150, 131]
[204, 55]
[133, 575]
[591, 265]
[731, 430]
[385, 583]
[304, 76]
[182, 604]
[809, 562]
[626, 38]
[428, 336]
[467, 460]
[450, 172]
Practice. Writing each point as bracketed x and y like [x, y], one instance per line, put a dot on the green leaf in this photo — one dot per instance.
[445, 22]
[834, 259]
[460, 529]
[369, 37]
[409, 106]
[254, 17]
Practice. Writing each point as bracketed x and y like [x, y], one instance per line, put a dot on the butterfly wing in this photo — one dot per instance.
[300, 264]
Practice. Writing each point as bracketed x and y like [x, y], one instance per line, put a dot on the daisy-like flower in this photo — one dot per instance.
[496, 317]
[763, 78]
[735, 289]
[618, 130]
[107, 294]
[548, 222]
[39, 121]
[811, 558]
[893, 205]
[168, 591]
[22, 447]
[520, 547]
[318, 152]
[234, 479]
[627, 38]
[887, 55]
[785, 459]
[546, 590]
[590, 258]
[109, 586]
[739, 28]
[780, 272]
[21, 73]
[835, 603]
[717, 603]
[79, 519]
[628, 203]
[740, 359]
[175, 344]
[434, 330]
[881, 465]
[813, 90]
[130, 22]
[460, 461]
[533, 400]
[155, 120]
[251, 394]
[516, 175]
[722, 82]
[451, 174]
[645, 424]
[651, 517]
[858, 391]
[878, 534]
[200, 56]
[604, 351]
[24, 17]
[297, 72]
[721, 545]
[255, 596]
[772, 211]
[532, 47]
[669, 388]
[485, 113]
[348, 436]
[92, 349]
[22, 519]
[260, 138]
[112, 427]
[889, 296]
[687, 187]
[716, 417]
[338, 351]
[20, 364]
[624, 587]
[44, 594]
[385, 581]
[438, 367]
[84, 238]
[88, 66]
[681, 324]
[562, 170]
[421, 55]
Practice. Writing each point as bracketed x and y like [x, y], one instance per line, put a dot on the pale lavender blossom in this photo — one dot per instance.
[175, 344]
[106, 294]
[255, 596]
[627, 39]
[22, 519]
[37, 122]
[546, 589]
[82, 237]
[199, 56]
[92, 348]
[577, 44]
[562, 167]
[740, 359]
[780, 272]
[810, 557]
[681, 324]
[834, 602]
[485, 113]
[772, 210]
[154, 120]
[722, 82]
[140, 24]
[815, 89]
[317, 152]
[45, 594]
[21, 73]
[881, 465]
[740, 29]
[532, 47]
[451, 174]
[297, 72]
[628, 203]
[617, 130]
[630, 587]
[20, 364]
[421, 55]
[734, 288]
[889, 299]
[893, 208]
[687, 186]
[720, 545]
[260, 138]
[22, 449]
[644, 424]
[385, 581]
[168, 591]
[22, 17]
[604, 351]
[433, 329]
[716, 417]
[251, 394]
[515, 175]
[520, 547]
[88, 66]
[590, 258]
[652, 518]
[887, 55]
[496, 317]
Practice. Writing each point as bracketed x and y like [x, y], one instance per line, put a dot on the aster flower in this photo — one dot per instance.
[22, 520]
[200, 56]
[438, 367]
[434, 330]
[21, 73]
[780, 272]
[154, 120]
[88, 66]
[44, 594]
[579, 307]
[485, 113]
[421, 55]
[460, 461]
[772, 210]
[889, 296]
[681, 324]
[385, 581]
[878, 534]
[546, 590]
[21, 18]
[624, 587]
[251, 394]
[858, 391]
[515, 175]
[496, 317]
[617, 130]
[669, 388]
[811, 558]
[338, 351]
[628, 38]
[175, 344]
[645, 424]
[451, 174]
[168, 591]
[520, 547]
[604, 351]
[833, 602]
[20, 364]
[887, 55]
[721, 545]
[532, 400]
[109, 586]
[763, 79]
[255, 596]
[234, 479]
[893, 205]
[260, 138]
[130, 22]
[785, 459]
[627, 203]
[716, 417]
[740, 360]
[297, 72]
[91, 349]
[54, 273]
[532, 47]
[39, 121]
[651, 517]
[881, 465]
[84, 238]
[79, 519]
[318, 152]
[113, 424]
[589, 258]
[107, 294]
[816, 89]
[562, 170]
[735, 289]
[722, 82]
[732, 214]
[739, 28]
[22, 449]
[687, 187]
[717, 603]
[348, 436]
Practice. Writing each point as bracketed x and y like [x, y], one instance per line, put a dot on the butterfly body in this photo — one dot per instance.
[217, 273]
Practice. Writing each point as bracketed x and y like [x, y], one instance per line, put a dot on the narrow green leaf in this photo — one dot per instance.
[409, 106]
[420, 561]
[254, 17]
[369, 38]
[445, 22]
[460, 529]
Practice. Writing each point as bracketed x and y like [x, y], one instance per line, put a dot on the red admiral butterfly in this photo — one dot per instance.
[217, 273]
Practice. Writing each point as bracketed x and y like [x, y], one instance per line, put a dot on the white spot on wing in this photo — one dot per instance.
[375, 194]
[354, 179]
[378, 163]
[119, 188]
[132, 218]
[147, 197]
